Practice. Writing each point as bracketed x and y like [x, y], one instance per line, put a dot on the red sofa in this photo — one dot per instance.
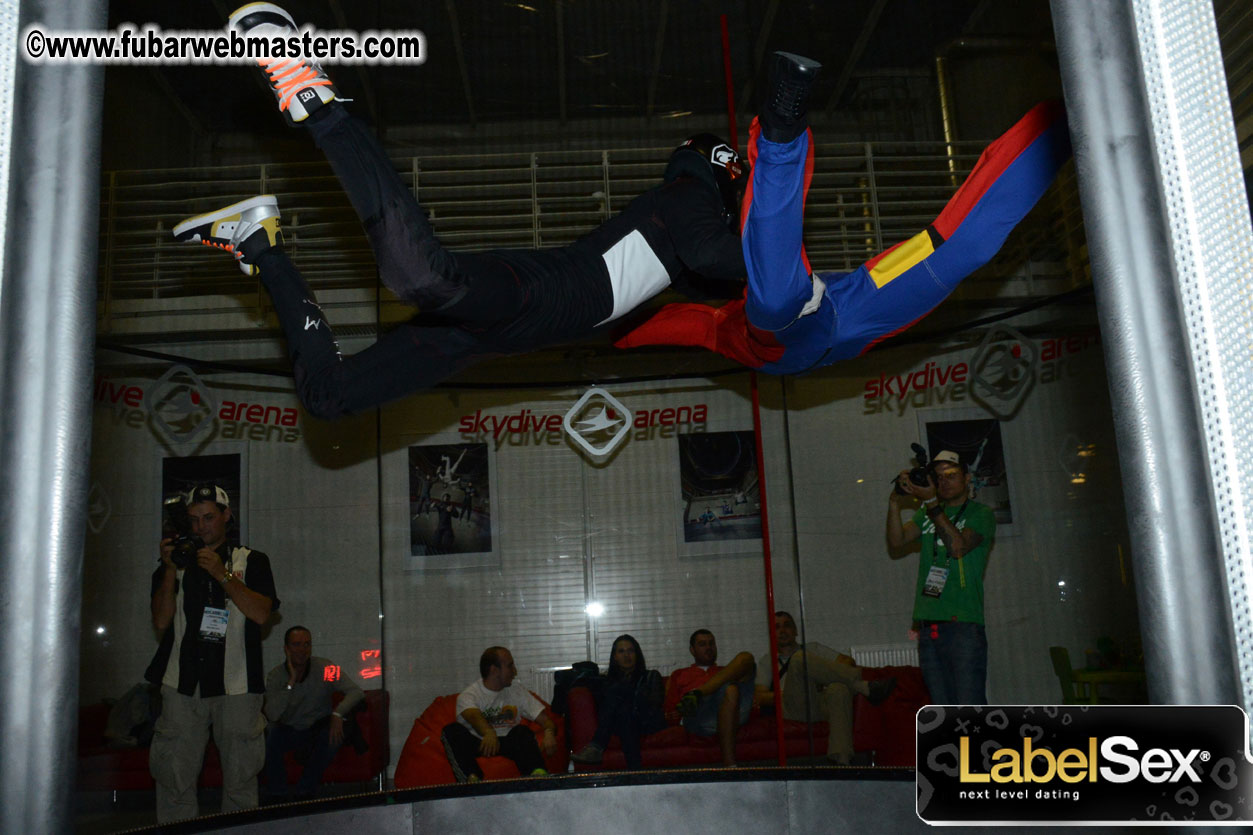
[101, 768]
[423, 761]
[887, 730]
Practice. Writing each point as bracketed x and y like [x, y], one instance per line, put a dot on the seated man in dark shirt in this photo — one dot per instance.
[298, 704]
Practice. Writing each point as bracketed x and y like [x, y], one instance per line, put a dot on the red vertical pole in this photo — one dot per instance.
[726, 71]
[761, 463]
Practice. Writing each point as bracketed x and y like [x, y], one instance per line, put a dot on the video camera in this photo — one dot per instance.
[922, 475]
[176, 525]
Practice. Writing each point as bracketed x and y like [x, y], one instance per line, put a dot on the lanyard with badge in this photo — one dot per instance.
[214, 620]
[937, 577]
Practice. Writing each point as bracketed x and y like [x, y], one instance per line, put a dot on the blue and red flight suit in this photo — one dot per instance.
[789, 323]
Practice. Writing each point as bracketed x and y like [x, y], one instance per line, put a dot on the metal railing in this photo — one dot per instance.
[864, 197]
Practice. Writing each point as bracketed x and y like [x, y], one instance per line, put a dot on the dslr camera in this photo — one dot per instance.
[176, 525]
[922, 475]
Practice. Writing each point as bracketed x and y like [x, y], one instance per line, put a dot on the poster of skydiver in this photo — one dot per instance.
[450, 509]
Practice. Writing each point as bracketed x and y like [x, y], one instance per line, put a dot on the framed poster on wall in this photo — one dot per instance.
[719, 508]
[451, 523]
[976, 438]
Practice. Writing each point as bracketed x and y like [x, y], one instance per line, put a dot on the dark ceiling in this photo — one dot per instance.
[497, 61]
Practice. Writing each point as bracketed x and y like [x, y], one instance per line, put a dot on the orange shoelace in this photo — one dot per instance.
[299, 76]
[227, 247]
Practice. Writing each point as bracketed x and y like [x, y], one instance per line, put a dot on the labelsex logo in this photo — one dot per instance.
[1073, 765]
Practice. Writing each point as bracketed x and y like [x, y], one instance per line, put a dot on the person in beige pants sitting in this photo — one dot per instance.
[823, 679]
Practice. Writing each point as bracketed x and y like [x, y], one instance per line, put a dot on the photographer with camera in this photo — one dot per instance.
[209, 601]
[956, 534]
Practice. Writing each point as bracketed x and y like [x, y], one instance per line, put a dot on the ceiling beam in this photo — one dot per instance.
[658, 44]
[854, 54]
[976, 17]
[759, 54]
[561, 60]
[163, 84]
[461, 59]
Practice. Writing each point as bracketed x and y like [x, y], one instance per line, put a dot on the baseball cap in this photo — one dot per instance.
[207, 493]
[948, 456]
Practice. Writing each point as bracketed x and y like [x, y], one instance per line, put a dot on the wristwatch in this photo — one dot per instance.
[227, 577]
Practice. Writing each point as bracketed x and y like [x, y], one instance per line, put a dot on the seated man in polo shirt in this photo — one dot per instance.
[298, 704]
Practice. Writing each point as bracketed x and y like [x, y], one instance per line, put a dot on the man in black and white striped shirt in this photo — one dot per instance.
[210, 613]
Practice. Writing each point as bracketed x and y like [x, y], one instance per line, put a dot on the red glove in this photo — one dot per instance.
[725, 330]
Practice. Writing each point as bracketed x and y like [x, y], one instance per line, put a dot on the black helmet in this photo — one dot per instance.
[714, 162]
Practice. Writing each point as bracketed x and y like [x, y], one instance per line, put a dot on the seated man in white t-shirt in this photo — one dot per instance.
[489, 713]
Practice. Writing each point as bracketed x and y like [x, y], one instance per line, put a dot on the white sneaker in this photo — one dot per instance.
[299, 84]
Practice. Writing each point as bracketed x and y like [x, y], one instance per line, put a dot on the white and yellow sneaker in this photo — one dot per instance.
[234, 229]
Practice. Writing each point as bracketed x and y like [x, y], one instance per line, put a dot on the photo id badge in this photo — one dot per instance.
[936, 578]
[213, 624]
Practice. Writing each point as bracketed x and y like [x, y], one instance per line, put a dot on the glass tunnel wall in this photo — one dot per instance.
[411, 538]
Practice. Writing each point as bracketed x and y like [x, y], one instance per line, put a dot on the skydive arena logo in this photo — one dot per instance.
[598, 423]
[1003, 367]
[1084, 764]
[180, 405]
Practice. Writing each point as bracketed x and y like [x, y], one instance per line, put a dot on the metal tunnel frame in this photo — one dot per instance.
[1171, 247]
[47, 335]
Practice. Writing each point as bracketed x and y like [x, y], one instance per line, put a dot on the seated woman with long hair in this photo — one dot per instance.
[630, 707]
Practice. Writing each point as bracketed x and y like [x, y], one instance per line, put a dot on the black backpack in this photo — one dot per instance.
[582, 674]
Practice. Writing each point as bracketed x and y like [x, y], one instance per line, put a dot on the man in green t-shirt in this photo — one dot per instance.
[957, 534]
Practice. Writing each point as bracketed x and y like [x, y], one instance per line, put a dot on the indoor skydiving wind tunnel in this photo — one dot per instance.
[406, 540]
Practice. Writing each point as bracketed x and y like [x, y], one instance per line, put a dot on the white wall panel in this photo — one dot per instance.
[439, 621]
[650, 586]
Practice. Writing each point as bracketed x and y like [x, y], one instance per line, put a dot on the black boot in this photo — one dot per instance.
[783, 114]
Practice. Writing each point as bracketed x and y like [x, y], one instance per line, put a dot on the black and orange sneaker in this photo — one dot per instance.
[243, 229]
[299, 84]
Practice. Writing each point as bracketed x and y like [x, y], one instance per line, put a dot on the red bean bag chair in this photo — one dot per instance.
[423, 761]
